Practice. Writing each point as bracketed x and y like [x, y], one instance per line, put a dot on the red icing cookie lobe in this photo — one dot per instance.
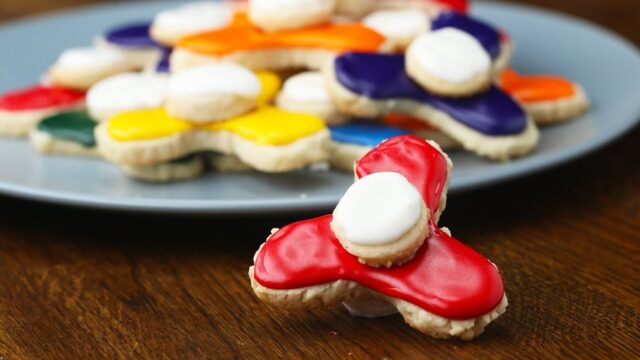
[445, 277]
[39, 97]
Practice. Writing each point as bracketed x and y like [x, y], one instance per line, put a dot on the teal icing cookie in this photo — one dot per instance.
[76, 126]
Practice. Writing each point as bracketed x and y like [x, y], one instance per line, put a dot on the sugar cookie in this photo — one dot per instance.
[399, 27]
[306, 92]
[212, 92]
[80, 68]
[123, 92]
[171, 25]
[446, 290]
[133, 40]
[278, 15]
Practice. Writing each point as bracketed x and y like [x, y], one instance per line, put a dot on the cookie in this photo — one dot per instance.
[133, 40]
[212, 92]
[267, 139]
[449, 62]
[279, 15]
[548, 99]
[421, 129]
[399, 27]
[123, 92]
[360, 8]
[306, 92]
[245, 44]
[171, 25]
[80, 68]
[490, 124]
[381, 219]
[446, 290]
[21, 110]
[72, 134]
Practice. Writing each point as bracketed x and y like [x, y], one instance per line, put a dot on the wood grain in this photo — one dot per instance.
[88, 284]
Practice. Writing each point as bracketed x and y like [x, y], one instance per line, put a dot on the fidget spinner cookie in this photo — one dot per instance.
[490, 124]
[382, 250]
[359, 8]
[246, 44]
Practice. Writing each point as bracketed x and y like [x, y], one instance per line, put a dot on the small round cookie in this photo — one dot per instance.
[123, 92]
[399, 27]
[381, 219]
[277, 15]
[306, 92]
[212, 93]
[80, 68]
[449, 62]
[171, 25]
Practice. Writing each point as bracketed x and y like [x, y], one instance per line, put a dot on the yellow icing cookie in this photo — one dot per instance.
[271, 84]
[271, 126]
[265, 126]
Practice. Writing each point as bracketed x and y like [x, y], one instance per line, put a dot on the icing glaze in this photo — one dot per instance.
[307, 86]
[378, 209]
[445, 277]
[224, 78]
[39, 97]
[132, 35]
[383, 77]
[534, 88]
[486, 35]
[450, 54]
[127, 92]
[194, 17]
[270, 5]
[243, 36]
[398, 24]
[270, 86]
[89, 58]
[406, 122]
[76, 126]
[365, 133]
[461, 6]
[264, 126]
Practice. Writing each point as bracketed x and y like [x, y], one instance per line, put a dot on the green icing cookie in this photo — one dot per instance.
[76, 126]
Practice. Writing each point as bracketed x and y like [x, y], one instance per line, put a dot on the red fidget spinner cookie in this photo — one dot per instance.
[382, 251]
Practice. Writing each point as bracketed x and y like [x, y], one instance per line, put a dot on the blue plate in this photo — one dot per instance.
[607, 66]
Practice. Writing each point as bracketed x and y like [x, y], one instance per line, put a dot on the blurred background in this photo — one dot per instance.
[621, 16]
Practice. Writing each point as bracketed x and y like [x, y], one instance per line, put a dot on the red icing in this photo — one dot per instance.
[39, 97]
[445, 277]
[458, 5]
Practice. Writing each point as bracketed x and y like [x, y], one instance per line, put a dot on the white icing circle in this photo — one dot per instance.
[271, 5]
[398, 24]
[224, 78]
[194, 18]
[378, 209]
[451, 55]
[79, 59]
[130, 91]
[306, 86]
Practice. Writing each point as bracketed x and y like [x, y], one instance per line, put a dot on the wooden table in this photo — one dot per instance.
[82, 284]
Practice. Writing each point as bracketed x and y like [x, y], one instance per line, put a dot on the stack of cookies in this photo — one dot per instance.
[275, 86]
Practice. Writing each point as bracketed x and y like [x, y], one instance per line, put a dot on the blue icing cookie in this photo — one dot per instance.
[365, 133]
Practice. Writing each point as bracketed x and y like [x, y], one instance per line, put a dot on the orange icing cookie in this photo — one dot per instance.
[406, 122]
[534, 88]
[241, 35]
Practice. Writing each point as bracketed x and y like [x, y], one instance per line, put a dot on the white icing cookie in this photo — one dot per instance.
[450, 62]
[130, 91]
[381, 219]
[213, 92]
[306, 92]
[400, 27]
[277, 15]
[80, 68]
[171, 25]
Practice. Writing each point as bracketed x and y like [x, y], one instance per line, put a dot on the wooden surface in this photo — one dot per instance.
[83, 284]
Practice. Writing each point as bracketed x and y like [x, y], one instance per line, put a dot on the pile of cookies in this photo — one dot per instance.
[275, 86]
